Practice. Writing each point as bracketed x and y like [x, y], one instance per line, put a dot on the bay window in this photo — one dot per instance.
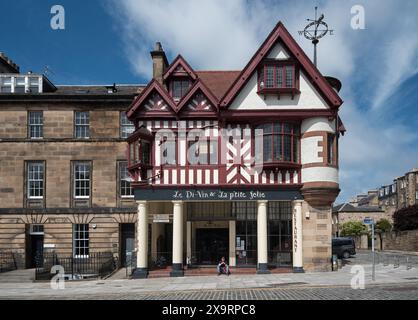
[280, 142]
[277, 76]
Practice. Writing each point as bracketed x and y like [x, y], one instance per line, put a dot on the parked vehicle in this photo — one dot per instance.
[343, 247]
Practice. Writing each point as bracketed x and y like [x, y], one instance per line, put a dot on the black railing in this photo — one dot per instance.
[95, 265]
[7, 261]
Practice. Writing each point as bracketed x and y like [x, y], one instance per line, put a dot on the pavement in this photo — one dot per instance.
[392, 282]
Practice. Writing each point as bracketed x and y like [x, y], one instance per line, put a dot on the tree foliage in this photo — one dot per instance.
[353, 228]
[383, 225]
[406, 218]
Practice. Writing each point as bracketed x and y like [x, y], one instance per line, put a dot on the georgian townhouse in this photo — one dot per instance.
[241, 164]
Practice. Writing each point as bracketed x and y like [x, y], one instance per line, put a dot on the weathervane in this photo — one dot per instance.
[315, 30]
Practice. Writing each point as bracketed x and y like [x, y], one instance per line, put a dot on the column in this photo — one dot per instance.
[297, 237]
[177, 239]
[141, 270]
[189, 242]
[232, 240]
[262, 237]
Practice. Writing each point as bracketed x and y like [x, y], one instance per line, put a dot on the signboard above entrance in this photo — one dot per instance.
[215, 194]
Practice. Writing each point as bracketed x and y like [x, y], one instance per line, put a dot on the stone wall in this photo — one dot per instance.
[401, 240]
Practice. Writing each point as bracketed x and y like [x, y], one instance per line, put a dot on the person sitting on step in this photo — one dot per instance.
[223, 267]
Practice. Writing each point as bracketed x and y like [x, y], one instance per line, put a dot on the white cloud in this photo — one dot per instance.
[371, 63]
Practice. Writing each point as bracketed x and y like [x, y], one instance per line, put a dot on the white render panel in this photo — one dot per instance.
[199, 176]
[207, 176]
[310, 149]
[320, 174]
[165, 175]
[278, 52]
[183, 176]
[174, 177]
[191, 180]
[215, 177]
[249, 99]
[317, 124]
[182, 152]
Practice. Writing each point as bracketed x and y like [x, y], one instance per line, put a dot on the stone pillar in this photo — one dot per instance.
[141, 270]
[189, 242]
[297, 237]
[177, 239]
[262, 237]
[232, 240]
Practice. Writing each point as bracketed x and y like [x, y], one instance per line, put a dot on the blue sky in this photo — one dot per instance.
[109, 41]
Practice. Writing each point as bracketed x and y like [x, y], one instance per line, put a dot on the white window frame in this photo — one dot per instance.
[82, 121]
[124, 176]
[81, 232]
[126, 126]
[30, 178]
[33, 122]
[75, 179]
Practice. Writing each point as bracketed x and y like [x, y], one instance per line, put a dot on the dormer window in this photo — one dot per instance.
[278, 76]
[179, 87]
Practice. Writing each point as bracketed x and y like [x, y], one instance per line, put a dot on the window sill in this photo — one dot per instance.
[35, 198]
[279, 165]
[279, 91]
[81, 198]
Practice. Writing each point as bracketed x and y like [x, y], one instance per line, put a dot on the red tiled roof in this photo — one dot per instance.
[218, 82]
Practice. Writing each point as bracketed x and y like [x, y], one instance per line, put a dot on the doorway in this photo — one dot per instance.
[127, 231]
[211, 245]
[34, 250]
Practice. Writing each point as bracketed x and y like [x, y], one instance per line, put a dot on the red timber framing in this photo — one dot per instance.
[281, 33]
[200, 108]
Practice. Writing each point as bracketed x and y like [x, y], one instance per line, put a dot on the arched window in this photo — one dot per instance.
[280, 142]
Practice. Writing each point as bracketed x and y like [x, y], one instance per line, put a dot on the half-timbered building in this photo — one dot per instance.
[241, 164]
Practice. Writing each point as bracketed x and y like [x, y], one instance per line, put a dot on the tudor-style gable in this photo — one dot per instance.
[153, 101]
[199, 100]
[280, 76]
[178, 78]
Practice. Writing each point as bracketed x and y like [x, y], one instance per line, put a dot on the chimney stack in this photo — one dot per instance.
[7, 65]
[159, 62]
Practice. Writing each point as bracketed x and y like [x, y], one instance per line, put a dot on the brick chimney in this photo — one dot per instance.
[159, 62]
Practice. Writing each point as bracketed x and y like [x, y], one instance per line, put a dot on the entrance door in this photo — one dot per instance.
[35, 249]
[211, 245]
[127, 242]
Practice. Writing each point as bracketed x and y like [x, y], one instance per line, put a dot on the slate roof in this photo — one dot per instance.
[346, 207]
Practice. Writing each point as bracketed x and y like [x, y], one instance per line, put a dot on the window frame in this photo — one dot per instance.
[75, 164]
[171, 139]
[183, 90]
[331, 149]
[211, 145]
[35, 125]
[294, 135]
[28, 180]
[82, 125]
[78, 231]
[122, 178]
[279, 72]
[123, 125]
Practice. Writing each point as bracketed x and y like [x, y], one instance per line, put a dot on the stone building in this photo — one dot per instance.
[402, 193]
[241, 164]
[64, 186]
[77, 177]
[347, 212]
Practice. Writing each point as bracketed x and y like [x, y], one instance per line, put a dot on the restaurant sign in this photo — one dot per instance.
[215, 194]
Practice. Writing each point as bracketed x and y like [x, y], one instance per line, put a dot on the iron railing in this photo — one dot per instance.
[95, 265]
[7, 261]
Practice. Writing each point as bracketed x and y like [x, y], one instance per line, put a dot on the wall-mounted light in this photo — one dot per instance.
[307, 215]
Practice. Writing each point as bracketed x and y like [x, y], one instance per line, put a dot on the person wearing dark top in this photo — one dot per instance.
[223, 267]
